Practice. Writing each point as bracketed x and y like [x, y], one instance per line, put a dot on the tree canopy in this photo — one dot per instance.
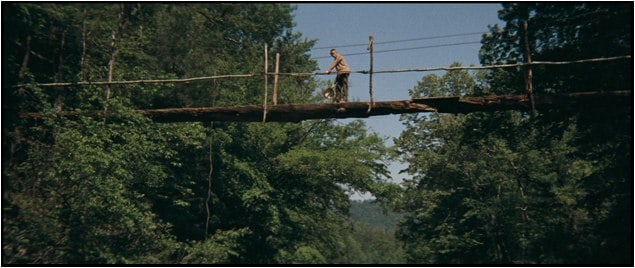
[122, 189]
[506, 187]
[486, 187]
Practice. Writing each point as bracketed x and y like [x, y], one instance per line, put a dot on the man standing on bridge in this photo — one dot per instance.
[341, 80]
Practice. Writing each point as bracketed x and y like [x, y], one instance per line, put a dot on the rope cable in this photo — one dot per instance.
[425, 69]
[402, 40]
[408, 48]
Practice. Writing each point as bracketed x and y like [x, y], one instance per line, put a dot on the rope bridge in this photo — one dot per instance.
[299, 112]
[424, 69]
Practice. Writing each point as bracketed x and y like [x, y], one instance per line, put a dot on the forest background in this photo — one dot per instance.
[486, 187]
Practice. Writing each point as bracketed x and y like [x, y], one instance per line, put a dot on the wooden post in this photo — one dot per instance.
[264, 105]
[529, 73]
[115, 53]
[275, 80]
[370, 79]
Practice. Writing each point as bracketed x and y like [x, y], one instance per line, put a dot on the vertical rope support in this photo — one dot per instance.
[371, 39]
[529, 72]
[275, 80]
[264, 105]
[209, 179]
[530, 94]
[211, 164]
[111, 67]
[114, 45]
[82, 62]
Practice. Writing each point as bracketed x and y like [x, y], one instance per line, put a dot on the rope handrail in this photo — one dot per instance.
[425, 69]
[152, 81]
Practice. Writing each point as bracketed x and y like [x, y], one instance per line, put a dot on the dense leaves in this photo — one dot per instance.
[374, 215]
[506, 187]
[117, 188]
[122, 189]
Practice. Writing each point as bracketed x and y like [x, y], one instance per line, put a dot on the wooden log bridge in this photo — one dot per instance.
[299, 112]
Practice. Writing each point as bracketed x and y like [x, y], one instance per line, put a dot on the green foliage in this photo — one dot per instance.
[305, 255]
[561, 32]
[473, 201]
[90, 183]
[507, 188]
[217, 250]
[377, 246]
[369, 212]
[121, 189]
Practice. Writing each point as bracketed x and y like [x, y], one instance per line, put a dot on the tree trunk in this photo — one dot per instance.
[25, 60]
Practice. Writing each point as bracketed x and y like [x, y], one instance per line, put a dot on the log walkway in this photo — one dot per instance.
[300, 112]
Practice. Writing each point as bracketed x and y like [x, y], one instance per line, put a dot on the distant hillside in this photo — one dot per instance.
[370, 213]
[374, 234]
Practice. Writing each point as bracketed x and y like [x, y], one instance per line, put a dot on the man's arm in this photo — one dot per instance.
[333, 64]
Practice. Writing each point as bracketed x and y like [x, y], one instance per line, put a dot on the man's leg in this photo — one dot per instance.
[338, 88]
[345, 87]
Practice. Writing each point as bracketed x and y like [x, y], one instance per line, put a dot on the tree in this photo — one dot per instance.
[123, 189]
[504, 187]
[589, 30]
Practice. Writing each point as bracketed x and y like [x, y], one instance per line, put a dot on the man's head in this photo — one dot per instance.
[333, 53]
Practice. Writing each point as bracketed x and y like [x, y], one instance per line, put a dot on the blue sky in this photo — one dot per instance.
[336, 25]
